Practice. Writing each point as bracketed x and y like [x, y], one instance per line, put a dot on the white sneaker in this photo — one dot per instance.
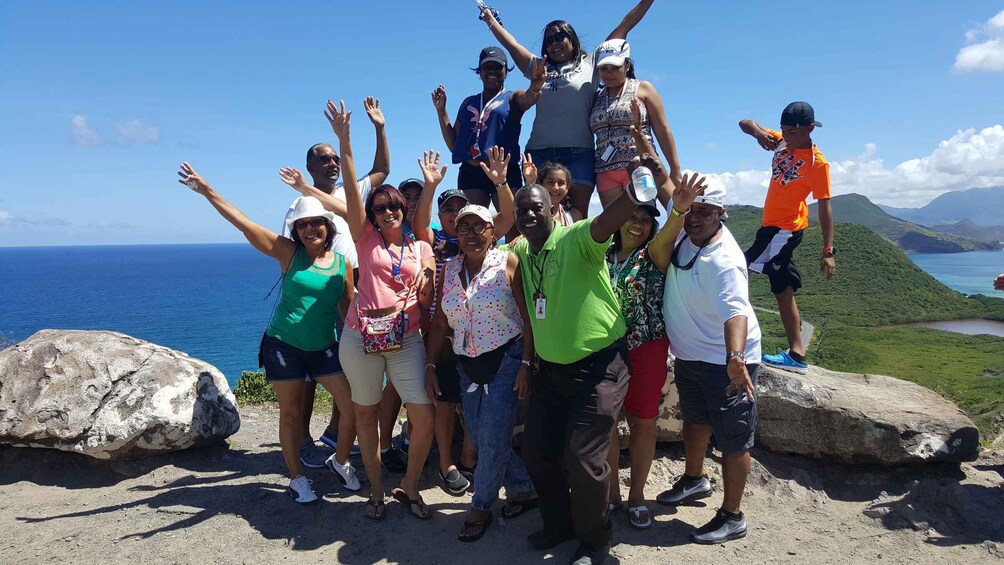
[346, 474]
[299, 489]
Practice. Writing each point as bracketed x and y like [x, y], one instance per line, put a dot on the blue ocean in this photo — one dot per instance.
[207, 300]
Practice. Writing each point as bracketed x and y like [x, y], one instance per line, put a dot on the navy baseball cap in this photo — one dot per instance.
[451, 193]
[406, 182]
[493, 55]
[799, 114]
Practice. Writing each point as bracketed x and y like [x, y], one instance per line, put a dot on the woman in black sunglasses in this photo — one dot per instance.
[561, 130]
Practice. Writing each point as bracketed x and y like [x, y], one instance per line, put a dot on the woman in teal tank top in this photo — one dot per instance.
[301, 342]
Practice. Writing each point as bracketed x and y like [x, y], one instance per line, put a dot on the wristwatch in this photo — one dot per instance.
[829, 251]
[731, 354]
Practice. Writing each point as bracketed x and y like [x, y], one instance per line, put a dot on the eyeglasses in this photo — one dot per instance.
[556, 38]
[381, 209]
[478, 228]
[312, 222]
[325, 159]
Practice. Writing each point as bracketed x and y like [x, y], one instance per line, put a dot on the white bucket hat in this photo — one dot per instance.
[308, 207]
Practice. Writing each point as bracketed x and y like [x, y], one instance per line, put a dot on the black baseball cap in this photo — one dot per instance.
[451, 193]
[493, 54]
[799, 114]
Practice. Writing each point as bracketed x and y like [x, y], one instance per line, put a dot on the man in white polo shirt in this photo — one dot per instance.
[714, 335]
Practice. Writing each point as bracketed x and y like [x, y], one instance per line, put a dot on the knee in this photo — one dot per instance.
[366, 416]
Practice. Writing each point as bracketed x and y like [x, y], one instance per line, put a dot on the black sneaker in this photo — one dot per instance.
[720, 529]
[455, 482]
[585, 555]
[546, 539]
[685, 489]
[394, 460]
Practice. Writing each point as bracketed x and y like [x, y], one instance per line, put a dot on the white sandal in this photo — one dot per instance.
[635, 513]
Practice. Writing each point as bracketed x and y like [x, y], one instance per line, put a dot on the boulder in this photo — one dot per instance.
[110, 396]
[854, 418]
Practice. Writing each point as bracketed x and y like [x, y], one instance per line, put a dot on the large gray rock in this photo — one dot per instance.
[110, 396]
[860, 419]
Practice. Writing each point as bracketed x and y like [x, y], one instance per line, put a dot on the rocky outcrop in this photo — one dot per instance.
[860, 419]
[110, 396]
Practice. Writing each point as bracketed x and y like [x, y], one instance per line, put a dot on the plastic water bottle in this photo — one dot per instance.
[644, 184]
[482, 6]
[780, 146]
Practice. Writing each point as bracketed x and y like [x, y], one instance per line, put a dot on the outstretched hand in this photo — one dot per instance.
[192, 179]
[431, 171]
[498, 165]
[691, 186]
[439, 98]
[338, 118]
[529, 170]
[372, 107]
[294, 178]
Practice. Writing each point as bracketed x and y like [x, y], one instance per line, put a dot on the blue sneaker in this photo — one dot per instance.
[784, 361]
[310, 455]
[331, 440]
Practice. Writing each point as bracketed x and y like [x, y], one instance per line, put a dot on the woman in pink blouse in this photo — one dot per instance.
[393, 272]
[481, 300]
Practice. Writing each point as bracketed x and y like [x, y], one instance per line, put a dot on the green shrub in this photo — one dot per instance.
[253, 388]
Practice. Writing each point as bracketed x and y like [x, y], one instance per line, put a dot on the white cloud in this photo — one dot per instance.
[135, 131]
[4, 216]
[968, 159]
[984, 50]
[82, 135]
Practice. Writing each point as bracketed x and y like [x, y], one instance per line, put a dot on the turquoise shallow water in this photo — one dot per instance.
[970, 273]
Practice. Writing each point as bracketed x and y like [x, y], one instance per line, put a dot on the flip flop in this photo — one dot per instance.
[476, 523]
[524, 507]
[402, 497]
[378, 509]
[635, 513]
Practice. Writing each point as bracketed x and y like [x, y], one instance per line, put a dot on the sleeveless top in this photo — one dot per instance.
[483, 123]
[639, 286]
[611, 121]
[483, 316]
[307, 314]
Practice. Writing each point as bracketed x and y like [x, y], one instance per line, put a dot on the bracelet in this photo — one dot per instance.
[501, 184]
[537, 93]
[674, 212]
[433, 365]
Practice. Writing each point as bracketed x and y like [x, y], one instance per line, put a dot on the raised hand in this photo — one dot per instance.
[432, 173]
[338, 118]
[691, 186]
[498, 165]
[294, 178]
[488, 17]
[372, 107]
[192, 179]
[538, 72]
[529, 170]
[767, 141]
[439, 98]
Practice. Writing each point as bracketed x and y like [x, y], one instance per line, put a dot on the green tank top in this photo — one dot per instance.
[307, 314]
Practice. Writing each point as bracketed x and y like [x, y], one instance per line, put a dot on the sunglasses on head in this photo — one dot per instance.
[556, 37]
[381, 208]
[312, 222]
[478, 228]
[325, 159]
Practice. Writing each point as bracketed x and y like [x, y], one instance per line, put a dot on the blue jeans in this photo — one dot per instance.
[490, 414]
[581, 162]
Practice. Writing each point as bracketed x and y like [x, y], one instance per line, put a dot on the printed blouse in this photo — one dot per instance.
[483, 316]
[639, 287]
[611, 121]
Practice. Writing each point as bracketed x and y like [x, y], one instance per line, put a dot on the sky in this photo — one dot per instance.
[100, 101]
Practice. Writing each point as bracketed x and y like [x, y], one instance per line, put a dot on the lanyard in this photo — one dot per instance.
[482, 117]
[396, 269]
[537, 274]
[615, 271]
[616, 105]
[466, 275]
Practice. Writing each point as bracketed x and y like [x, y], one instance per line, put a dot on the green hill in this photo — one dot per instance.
[857, 209]
[877, 285]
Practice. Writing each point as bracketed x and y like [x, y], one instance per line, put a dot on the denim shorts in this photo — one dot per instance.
[703, 401]
[581, 162]
[284, 362]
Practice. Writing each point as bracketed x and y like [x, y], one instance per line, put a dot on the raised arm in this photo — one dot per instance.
[294, 178]
[448, 130]
[433, 175]
[496, 169]
[759, 133]
[355, 211]
[666, 184]
[660, 128]
[630, 20]
[660, 249]
[520, 55]
[381, 159]
[525, 99]
[262, 238]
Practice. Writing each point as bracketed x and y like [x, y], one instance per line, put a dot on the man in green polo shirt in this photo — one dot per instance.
[578, 393]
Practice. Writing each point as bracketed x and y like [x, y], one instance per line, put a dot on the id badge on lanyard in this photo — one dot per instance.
[540, 305]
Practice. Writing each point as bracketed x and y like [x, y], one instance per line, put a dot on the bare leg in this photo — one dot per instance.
[735, 468]
[338, 386]
[642, 452]
[366, 427]
[336, 412]
[580, 194]
[613, 459]
[307, 404]
[446, 415]
[791, 320]
[695, 444]
[290, 395]
[421, 417]
[390, 407]
[608, 196]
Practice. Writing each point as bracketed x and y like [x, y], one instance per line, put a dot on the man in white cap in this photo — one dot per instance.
[714, 335]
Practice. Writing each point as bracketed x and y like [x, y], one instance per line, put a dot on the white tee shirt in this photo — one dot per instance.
[342, 242]
[698, 302]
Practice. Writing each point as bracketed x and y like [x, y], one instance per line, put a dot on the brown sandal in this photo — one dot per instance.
[378, 509]
[412, 503]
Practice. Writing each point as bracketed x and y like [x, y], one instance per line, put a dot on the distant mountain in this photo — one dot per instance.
[981, 206]
[910, 237]
[965, 228]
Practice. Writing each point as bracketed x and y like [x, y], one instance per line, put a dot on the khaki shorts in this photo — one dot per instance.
[404, 367]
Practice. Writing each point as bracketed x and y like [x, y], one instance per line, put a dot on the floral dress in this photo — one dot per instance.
[638, 285]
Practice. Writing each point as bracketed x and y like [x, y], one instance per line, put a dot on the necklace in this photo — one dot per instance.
[676, 252]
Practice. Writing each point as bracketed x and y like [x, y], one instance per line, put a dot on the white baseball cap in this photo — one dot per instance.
[475, 210]
[308, 207]
[613, 52]
[714, 195]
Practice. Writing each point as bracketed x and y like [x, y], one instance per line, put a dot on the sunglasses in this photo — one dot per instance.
[556, 37]
[478, 228]
[325, 159]
[315, 223]
[381, 209]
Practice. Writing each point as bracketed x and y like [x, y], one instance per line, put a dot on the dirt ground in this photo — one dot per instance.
[227, 505]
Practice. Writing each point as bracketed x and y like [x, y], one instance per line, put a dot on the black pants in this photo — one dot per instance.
[573, 409]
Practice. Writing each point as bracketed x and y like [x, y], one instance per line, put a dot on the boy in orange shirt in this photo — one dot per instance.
[797, 170]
